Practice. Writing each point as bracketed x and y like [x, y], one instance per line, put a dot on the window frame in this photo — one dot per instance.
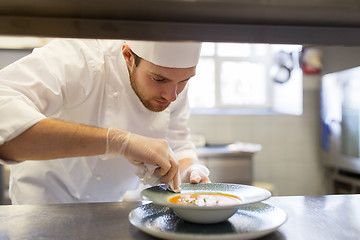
[218, 60]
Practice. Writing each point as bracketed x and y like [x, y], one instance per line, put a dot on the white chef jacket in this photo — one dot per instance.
[82, 81]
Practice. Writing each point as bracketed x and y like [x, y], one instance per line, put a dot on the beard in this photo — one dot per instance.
[149, 103]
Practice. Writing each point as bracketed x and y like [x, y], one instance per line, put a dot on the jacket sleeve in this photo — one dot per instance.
[179, 133]
[41, 84]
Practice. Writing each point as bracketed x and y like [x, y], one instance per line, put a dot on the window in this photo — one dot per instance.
[243, 75]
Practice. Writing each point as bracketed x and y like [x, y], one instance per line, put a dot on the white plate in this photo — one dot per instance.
[249, 222]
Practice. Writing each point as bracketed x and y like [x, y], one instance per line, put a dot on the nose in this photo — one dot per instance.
[170, 92]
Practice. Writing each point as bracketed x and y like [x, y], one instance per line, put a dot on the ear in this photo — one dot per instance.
[128, 56]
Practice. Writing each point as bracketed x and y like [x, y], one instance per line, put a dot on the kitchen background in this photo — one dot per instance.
[290, 161]
[291, 158]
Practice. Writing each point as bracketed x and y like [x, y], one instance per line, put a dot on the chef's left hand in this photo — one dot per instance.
[196, 173]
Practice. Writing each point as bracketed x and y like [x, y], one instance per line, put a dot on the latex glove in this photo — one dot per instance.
[196, 173]
[147, 176]
[139, 150]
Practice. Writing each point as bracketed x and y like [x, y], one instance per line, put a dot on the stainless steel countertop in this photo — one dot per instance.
[309, 217]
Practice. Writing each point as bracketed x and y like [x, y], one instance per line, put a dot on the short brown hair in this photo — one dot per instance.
[136, 58]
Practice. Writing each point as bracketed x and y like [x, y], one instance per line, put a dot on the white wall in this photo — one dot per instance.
[289, 158]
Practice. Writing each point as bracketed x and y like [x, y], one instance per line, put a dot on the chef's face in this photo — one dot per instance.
[156, 86]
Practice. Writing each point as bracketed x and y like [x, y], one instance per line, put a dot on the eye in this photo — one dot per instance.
[158, 79]
[185, 81]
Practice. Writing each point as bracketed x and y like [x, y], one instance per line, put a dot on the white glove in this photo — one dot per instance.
[196, 173]
[139, 150]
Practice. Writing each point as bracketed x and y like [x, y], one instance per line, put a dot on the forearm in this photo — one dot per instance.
[51, 139]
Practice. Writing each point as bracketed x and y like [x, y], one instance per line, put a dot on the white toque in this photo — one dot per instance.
[167, 54]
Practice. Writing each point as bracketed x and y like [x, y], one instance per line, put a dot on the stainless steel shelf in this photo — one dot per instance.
[275, 21]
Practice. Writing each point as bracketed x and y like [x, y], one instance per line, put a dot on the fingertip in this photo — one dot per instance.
[195, 177]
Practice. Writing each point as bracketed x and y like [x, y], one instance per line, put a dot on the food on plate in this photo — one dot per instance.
[205, 199]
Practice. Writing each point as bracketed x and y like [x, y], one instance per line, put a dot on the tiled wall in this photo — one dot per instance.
[289, 157]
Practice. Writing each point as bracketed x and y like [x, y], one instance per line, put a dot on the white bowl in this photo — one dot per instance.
[206, 214]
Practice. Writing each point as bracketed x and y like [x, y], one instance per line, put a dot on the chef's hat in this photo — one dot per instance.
[167, 54]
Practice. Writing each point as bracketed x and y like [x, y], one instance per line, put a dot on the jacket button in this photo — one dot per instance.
[116, 94]
[99, 178]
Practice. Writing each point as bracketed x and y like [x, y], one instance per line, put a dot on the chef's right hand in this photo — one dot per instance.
[139, 149]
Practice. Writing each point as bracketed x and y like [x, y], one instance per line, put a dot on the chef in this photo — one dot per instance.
[82, 120]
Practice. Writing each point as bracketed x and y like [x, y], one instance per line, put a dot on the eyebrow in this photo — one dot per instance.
[167, 79]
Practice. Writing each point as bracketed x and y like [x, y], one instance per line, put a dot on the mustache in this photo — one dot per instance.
[161, 99]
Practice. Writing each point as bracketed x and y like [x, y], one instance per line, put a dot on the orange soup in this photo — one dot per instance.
[205, 199]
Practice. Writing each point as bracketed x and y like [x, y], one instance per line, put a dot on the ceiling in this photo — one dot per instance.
[266, 21]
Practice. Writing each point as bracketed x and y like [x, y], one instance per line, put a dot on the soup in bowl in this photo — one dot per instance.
[206, 202]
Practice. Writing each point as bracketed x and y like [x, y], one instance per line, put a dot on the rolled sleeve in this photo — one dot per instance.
[53, 78]
[17, 116]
